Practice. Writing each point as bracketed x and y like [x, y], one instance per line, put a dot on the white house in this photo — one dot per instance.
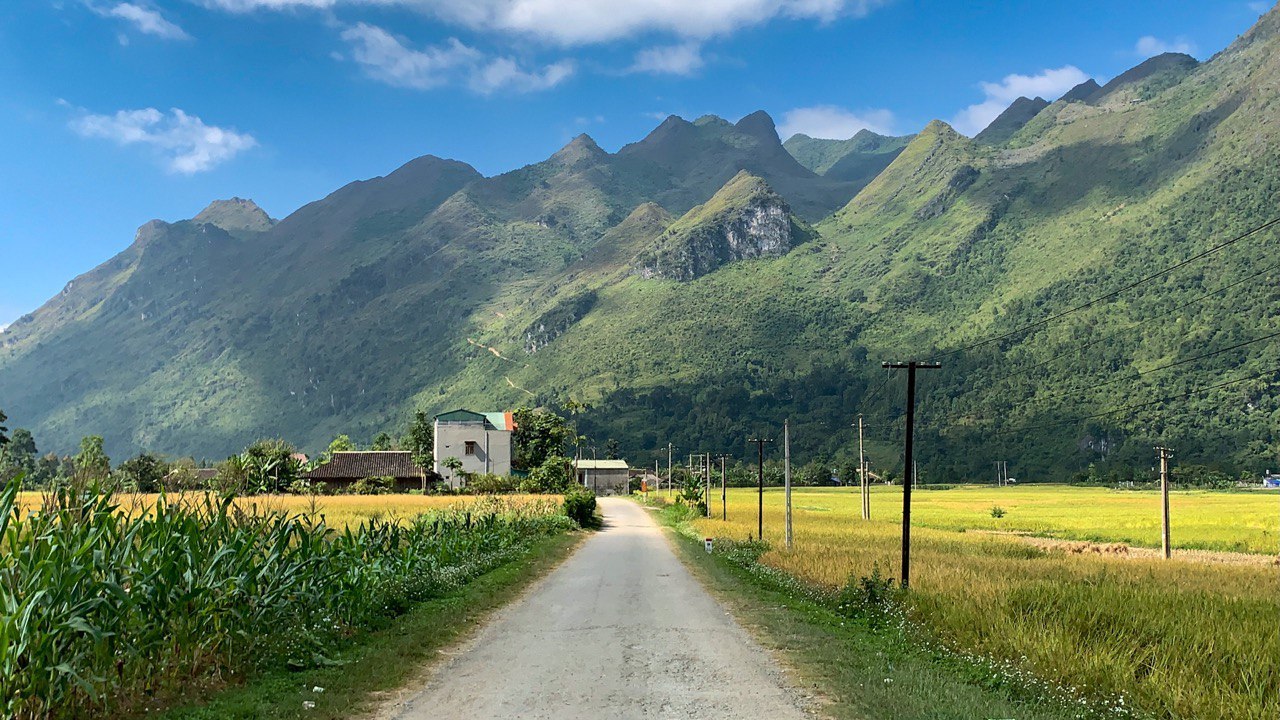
[481, 441]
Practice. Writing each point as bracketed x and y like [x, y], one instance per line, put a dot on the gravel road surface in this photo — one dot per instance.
[620, 630]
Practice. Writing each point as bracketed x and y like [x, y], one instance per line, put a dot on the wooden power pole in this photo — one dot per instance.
[908, 459]
[760, 480]
[1165, 455]
[786, 474]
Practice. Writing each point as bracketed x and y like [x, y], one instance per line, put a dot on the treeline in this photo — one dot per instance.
[543, 444]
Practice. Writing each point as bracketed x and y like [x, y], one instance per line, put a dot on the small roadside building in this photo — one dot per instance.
[346, 468]
[480, 441]
[604, 477]
[1271, 481]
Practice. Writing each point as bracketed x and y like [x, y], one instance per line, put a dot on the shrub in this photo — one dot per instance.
[872, 597]
[580, 506]
[490, 484]
[997, 512]
[552, 476]
[373, 486]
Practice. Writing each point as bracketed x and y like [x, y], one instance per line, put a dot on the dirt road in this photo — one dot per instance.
[620, 630]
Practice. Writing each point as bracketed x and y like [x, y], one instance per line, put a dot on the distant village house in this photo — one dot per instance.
[481, 442]
[604, 477]
[348, 468]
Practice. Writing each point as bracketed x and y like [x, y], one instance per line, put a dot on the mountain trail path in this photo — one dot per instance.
[619, 630]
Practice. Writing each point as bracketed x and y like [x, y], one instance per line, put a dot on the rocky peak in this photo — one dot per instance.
[236, 214]
[581, 148]
[745, 219]
[758, 124]
[1081, 92]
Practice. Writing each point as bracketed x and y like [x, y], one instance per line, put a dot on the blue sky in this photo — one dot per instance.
[114, 112]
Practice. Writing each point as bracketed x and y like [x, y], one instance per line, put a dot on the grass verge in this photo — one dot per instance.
[857, 670]
[382, 660]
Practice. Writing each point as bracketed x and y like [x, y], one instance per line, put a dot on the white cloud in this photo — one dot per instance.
[1150, 46]
[1048, 84]
[505, 74]
[143, 19]
[576, 22]
[244, 6]
[681, 59]
[834, 123]
[384, 57]
[187, 143]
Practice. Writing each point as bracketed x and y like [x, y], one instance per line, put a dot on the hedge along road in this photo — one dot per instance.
[620, 630]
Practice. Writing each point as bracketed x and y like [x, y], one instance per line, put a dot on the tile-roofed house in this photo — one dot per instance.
[480, 441]
[345, 468]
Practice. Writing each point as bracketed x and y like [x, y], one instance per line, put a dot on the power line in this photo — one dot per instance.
[1114, 293]
[1166, 366]
[1138, 406]
[1130, 326]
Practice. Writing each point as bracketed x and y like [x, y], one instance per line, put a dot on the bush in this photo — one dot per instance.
[997, 512]
[580, 506]
[872, 597]
[552, 476]
[490, 484]
[372, 486]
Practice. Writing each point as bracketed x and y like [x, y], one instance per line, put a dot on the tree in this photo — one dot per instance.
[143, 473]
[812, 474]
[19, 456]
[4, 438]
[454, 466]
[342, 443]
[382, 441]
[420, 440]
[92, 461]
[554, 475]
[270, 466]
[539, 434]
[612, 450]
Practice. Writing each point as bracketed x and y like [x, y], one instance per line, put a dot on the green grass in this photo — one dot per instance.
[857, 671]
[386, 659]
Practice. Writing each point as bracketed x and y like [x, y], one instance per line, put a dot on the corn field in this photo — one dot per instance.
[105, 612]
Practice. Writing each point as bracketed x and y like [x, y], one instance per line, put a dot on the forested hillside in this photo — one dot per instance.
[796, 280]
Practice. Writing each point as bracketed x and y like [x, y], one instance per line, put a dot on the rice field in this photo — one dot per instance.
[1174, 639]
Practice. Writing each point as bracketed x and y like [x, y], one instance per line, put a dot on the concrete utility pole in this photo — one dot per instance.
[706, 476]
[864, 481]
[724, 494]
[670, 447]
[1165, 455]
[908, 459]
[786, 473]
[760, 478]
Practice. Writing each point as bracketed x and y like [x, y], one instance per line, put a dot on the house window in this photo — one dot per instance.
[471, 447]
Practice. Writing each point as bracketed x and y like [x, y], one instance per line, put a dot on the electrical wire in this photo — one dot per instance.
[1108, 296]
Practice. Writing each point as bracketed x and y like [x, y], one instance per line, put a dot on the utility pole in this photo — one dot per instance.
[760, 479]
[786, 474]
[1165, 455]
[864, 481]
[706, 476]
[908, 459]
[724, 494]
[670, 447]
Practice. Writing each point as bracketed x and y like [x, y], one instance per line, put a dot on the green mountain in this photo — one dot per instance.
[703, 283]
[1018, 114]
[858, 159]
